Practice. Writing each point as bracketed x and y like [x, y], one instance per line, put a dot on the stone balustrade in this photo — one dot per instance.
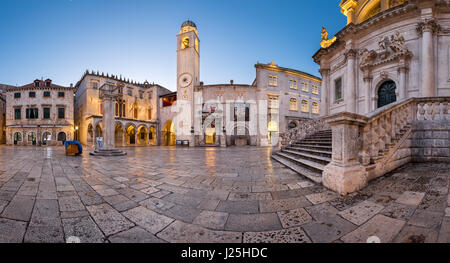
[305, 129]
[366, 147]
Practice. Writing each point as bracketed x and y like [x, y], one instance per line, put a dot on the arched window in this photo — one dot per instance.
[117, 109]
[386, 93]
[293, 104]
[305, 106]
[292, 125]
[315, 108]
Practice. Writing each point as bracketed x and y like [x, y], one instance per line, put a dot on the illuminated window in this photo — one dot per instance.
[273, 81]
[196, 44]
[315, 89]
[185, 43]
[293, 104]
[150, 113]
[135, 112]
[305, 86]
[305, 106]
[293, 84]
[315, 108]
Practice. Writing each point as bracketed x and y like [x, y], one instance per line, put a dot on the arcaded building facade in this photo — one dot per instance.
[136, 110]
[390, 50]
[39, 113]
[2, 117]
[234, 114]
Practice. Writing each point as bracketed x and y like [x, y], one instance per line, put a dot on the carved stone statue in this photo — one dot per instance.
[397, 43]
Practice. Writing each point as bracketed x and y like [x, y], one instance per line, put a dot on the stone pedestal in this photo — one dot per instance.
[345, 174]
[108, 97]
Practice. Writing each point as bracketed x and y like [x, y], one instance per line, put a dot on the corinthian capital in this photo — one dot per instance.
[351, 54]
[428, 25]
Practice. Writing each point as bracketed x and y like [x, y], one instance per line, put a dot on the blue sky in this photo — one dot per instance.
[60, 39]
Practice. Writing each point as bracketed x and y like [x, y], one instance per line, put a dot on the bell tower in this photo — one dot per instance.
[188, 76]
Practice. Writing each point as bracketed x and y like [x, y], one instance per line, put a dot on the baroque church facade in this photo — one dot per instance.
[390, 50]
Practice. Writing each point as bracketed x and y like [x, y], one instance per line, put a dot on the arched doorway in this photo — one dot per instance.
[17, 138]
[118, 135]
[98, 131]
[62, 137]
[386, 93]
[152, 136]
[210, 133]
[32, 137]
[292, 125]
[241, 136]
[131, 135]
[142, 136]
[90, 134]
[46, 138]
[170, 138]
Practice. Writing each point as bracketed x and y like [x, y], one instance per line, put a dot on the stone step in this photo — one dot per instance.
[313, 166]
[309, 157]
[316, 140]
[309, 150]
[313, 176]
[317, 143]
[316, 147]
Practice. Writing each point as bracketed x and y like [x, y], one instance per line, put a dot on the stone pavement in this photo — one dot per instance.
[208, 195]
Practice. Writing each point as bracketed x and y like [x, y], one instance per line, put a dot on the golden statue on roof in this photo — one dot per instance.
[325, 41]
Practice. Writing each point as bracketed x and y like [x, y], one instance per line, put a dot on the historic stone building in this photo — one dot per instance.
[39, 113]
[390, 50]
[2, 117]
[385, 97]
[234, 114]
[136, 110]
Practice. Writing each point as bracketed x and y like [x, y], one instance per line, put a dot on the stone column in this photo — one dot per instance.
[108, 121]
[402, 82]
[350, 87]
[345, 174]
[368, 90]
[325, 92]
[427, 28]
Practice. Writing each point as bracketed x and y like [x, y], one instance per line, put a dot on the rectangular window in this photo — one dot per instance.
[17, 114]
[293, 84]
[338, 89]
[315, 89]
[17, 95]
[46, 94]
[46, 113]
[61, 113]
[141, 95]
[130, 93]
[95, 85]
[32, 113]
[149, 114]
[150, 95]
[32, 94]
[273, 81]
[242, 112]
[61, 94]
[305, 87]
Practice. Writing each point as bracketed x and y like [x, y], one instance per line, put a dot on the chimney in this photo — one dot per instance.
[231, 82]
[71, 85]
[201, 83]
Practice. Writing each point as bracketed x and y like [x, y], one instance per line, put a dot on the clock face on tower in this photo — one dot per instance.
[185, 80]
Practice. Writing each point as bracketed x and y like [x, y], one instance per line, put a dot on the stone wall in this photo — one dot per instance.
[431, 141]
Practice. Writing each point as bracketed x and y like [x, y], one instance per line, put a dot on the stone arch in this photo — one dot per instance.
[90, 134]
[130, 134]
[378, 81]
[241, 135]
[292, 125]
[169, 134]
[152, 136]
[62, 137]
[387, 93]
[142, 135]
[46, 137]
[98, 130]
[17, 138]
[118, 134]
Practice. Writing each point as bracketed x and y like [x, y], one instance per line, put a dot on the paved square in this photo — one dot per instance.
[206, 195]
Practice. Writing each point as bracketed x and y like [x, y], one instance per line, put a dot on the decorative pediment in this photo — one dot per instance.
[391, 48]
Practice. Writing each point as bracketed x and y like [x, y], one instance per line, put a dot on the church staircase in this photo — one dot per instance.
[308, 156]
